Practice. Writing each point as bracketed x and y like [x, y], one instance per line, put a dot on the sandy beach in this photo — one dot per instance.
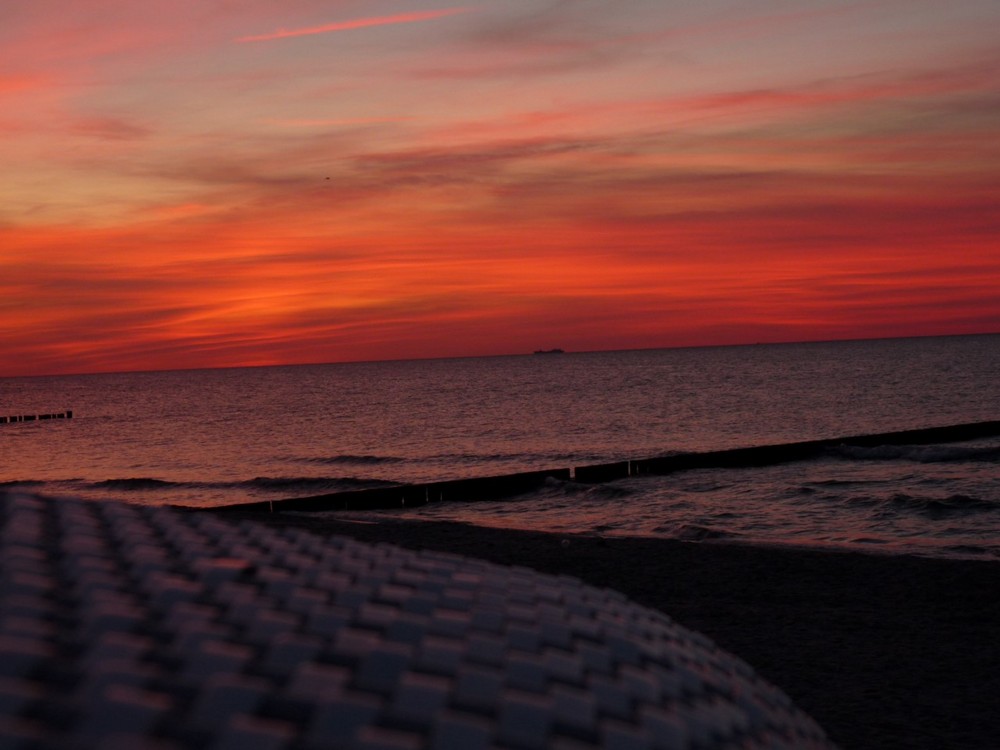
[884, 652]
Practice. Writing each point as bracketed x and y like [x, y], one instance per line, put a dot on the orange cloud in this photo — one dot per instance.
[15, 84]
[257, 286]
[358, 23]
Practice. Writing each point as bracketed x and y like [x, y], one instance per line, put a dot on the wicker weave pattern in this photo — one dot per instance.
[129, 627]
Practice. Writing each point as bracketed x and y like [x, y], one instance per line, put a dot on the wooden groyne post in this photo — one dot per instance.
[68, 414]
[509, 485]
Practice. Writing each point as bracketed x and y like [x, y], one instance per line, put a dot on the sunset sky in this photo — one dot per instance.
[201, 183]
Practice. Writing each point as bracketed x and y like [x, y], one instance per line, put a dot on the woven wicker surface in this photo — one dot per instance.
[128, 627]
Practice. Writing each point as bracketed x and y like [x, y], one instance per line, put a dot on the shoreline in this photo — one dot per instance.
[883, 651]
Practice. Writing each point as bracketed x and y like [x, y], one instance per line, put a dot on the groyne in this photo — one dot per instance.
[402, 495]
[510, 485]
[35, 417]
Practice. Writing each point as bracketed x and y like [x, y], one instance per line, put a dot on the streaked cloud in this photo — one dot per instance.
[357, 23]
[112, 128]
[318, 122]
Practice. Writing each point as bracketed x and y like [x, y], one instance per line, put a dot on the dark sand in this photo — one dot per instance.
[884, 652]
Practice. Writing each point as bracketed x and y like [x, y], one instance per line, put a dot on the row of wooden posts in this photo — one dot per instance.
[508, 485]
[36, 417]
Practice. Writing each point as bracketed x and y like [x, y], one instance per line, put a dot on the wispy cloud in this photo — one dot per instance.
[319, 122]
[111, 129]
[357, 23]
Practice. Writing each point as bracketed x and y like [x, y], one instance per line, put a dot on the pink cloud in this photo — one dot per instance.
[357, 23]
[333, 121]
[835, 91]
[958, 91]
[111, 129]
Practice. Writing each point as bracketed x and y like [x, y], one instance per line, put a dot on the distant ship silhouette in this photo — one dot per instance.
[549, 351]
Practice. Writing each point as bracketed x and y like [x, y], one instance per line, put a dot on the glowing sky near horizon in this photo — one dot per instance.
[203, 183]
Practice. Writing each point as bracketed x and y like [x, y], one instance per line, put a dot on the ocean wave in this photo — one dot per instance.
[136, 484]
[265, 484]
[518, 457]
[349, 458]
[837, 482]
[563, 488]
[312, 484]
[925, 454]
[693, 532]
[943, 506]
[930, 507]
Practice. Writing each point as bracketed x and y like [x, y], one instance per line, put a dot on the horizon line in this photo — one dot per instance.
[531, 353]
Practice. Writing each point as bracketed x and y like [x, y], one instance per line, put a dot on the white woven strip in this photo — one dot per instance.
[130, 627]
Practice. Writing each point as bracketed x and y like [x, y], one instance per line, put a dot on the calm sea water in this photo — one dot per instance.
[212, 437]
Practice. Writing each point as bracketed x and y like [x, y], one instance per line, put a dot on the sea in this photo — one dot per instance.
[206, 438]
